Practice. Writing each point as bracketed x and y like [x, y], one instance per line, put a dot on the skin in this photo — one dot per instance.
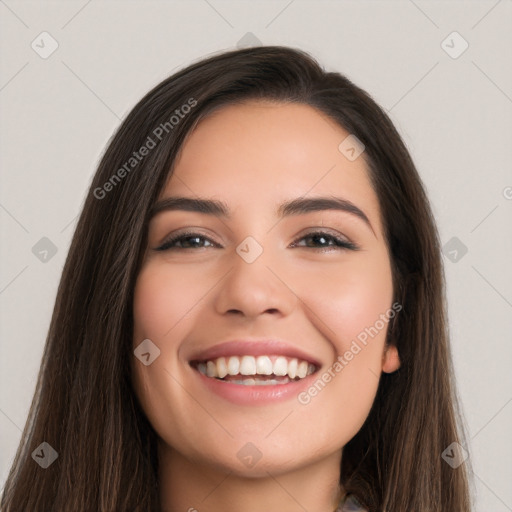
[319, 297]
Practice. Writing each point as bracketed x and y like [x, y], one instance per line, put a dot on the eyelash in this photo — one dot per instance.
[339, 242]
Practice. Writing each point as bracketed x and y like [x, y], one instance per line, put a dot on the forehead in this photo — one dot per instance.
[261, 150]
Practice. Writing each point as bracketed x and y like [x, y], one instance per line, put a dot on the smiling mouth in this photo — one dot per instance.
[264, 370]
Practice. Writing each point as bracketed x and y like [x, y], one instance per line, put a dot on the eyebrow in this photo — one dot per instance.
[299, 206]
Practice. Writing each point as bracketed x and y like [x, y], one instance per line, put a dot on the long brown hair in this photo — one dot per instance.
[84, 406]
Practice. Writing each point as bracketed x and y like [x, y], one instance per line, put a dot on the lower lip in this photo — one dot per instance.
[245, 395]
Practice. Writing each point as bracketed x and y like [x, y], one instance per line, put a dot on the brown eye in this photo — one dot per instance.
[321, 240]
[188, 241]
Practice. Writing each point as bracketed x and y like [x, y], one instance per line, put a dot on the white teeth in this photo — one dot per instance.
[263, 365]
[211, 369]
[202, 368]
[292, 368]
[248, 365]
[233, 365]
[302, 369]
[222, 369]
[279, 366]
[258, 382]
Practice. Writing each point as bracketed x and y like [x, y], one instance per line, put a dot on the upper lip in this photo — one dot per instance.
[254, 347]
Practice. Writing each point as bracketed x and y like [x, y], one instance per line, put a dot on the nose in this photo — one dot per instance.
[251, 289]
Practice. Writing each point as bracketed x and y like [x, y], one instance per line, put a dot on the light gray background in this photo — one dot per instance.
[454, 114]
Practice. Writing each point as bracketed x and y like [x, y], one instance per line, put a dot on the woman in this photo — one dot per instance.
[251, 315]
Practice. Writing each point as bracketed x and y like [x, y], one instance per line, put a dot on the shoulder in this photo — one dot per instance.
[350, 504]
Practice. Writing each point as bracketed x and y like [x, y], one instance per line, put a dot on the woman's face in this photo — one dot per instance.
[256, 293]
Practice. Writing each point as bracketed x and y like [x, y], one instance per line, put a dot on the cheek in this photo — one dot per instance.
[348, 300]
[367, 294]
[162, 300]
[157, 308]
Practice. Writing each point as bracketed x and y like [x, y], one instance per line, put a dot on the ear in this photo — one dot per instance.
[390, 359]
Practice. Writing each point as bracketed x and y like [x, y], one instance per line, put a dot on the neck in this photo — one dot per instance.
[187, 486]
